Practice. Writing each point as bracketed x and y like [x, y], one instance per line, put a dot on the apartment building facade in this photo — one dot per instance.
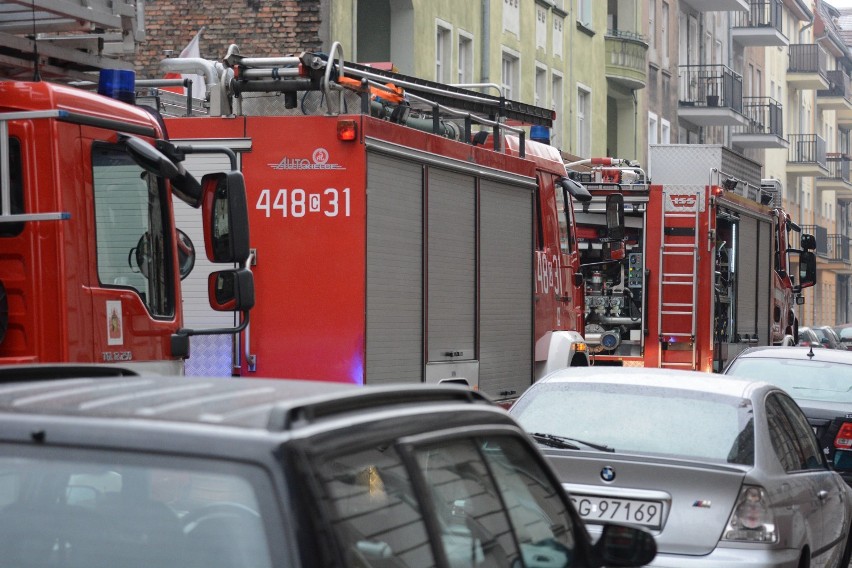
[761, 86]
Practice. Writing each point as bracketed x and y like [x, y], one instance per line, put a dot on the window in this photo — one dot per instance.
[465, 58]
[512, 16]
[664, 34]
[491, 497]
[443, 52]
[665, 132]
[652, 25]
[558, 23]
[792, 437]
[652, 128]
[509, 75]
[106, 510]
[566, 238]
[540, 27]
[16, 187]
[584, 127]
[725, 422]
[584, 12]
[540, 86]
[557, 106]
[375, 510]
[132, 222]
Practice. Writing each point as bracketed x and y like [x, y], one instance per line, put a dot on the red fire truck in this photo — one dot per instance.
[391, 242]
[90, 260]
[699, 274]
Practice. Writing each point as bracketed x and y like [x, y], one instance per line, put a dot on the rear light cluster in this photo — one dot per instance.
[752, 519]
[843, 441]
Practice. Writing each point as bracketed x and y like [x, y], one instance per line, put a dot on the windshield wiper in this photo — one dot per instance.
[566, 443]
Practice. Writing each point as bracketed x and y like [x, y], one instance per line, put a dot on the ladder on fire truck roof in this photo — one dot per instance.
[678, 288]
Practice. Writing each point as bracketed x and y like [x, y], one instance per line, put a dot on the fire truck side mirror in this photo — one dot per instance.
[615, 217]
[149, 158]
[225, 213]
[231, 290]
[808, 242]
[575, 190]
[807, 269]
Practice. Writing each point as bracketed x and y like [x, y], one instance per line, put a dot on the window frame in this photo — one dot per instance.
[443, 51]
[16, 186]
[584, 116]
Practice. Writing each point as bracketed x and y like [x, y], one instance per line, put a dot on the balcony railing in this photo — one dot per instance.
[839, 85]
[711, 86]
[627, 58]
[821, 236]
[807, 149]
[765, 116]
[838, 248]
[808, 58]
[838, 167]
[761, 14]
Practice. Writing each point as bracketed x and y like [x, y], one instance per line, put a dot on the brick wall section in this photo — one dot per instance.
[262, 28]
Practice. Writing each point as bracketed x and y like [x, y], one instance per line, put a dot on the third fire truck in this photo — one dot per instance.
[392, 241]
[699, 274]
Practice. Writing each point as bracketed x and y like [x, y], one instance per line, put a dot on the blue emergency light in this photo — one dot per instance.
[119, 84]
[540, 133]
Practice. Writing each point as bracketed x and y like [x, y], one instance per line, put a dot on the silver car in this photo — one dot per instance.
[723, 472]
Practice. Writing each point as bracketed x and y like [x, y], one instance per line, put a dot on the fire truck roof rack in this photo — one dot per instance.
[609, 173]
[443, 109]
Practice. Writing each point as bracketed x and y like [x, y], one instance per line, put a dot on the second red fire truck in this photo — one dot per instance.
[700, 273]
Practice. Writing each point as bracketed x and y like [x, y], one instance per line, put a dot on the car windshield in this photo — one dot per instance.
[803, 379]
[641, 419]
[102, 513]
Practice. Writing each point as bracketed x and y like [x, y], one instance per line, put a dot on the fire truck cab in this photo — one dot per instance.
[90, 260]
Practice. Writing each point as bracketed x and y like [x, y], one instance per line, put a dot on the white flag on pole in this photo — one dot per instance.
[193, 50]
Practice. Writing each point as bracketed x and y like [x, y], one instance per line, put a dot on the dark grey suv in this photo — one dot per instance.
[142, 471]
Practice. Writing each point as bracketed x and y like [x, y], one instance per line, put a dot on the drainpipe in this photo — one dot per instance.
[636, 127]
[485, 67]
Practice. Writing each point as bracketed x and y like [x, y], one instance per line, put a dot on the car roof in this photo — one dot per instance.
[269, 404]
[800, 353]
[652, 377]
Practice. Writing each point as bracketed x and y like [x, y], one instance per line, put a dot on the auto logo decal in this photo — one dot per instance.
[608, 473]
[703, 503]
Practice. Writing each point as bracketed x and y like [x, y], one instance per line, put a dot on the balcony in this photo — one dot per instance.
[838, 96]
[765, 128]
[761, 25]
[808, 67]
[838, 178]
[711, 95]
[807, 156]
[832, 250]
[626, 59]
[717, 5]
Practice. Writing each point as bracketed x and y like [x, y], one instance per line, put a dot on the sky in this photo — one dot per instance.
[840, 3]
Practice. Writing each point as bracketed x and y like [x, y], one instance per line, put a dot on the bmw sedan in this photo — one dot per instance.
[723, 471]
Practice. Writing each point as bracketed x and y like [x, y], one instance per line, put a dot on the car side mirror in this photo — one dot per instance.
[808, 241]
[624, 546]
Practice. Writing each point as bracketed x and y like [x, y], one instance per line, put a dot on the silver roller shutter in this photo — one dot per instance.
[506, 322]
[394, 270]
[765, 263]
[451, 266]
[210, 355]
[747, 268]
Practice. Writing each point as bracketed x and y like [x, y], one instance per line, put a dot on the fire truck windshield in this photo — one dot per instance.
[131, 217]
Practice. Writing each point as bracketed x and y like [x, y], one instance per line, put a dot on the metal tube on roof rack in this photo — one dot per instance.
[424, 88]
[266, 73]
[271, 86]
[192, 66]
[256, 62]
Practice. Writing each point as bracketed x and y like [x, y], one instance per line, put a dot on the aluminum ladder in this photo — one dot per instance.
[678, 287]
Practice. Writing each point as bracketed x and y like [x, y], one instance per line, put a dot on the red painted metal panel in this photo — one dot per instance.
[306, 194]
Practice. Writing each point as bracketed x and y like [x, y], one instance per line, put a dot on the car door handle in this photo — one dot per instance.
[822, 495]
